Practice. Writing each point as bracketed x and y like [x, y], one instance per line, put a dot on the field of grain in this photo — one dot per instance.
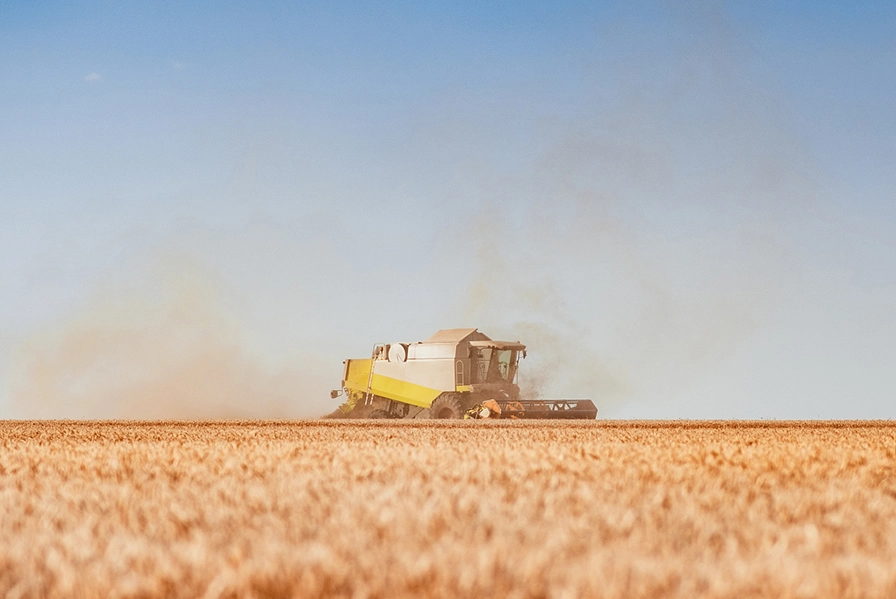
[447, 509]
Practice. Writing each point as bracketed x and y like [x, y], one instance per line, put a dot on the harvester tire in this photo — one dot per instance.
[379, 414]
[446, 407]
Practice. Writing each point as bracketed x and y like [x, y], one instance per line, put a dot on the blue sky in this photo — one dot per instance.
[686, 210]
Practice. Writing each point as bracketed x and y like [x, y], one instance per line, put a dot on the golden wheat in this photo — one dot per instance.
[436, 509]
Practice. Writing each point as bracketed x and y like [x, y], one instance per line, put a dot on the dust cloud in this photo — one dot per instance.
[157, 346]
[653, 235]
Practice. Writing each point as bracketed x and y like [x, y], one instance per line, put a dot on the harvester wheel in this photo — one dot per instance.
[379, 414]
[446, 407]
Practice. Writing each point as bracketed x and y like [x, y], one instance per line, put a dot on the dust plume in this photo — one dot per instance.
[163, 346]
[652, 235]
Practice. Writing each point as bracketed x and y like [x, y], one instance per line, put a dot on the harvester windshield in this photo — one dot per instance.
[494, 365]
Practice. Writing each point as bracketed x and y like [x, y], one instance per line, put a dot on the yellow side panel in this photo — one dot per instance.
[358, 373]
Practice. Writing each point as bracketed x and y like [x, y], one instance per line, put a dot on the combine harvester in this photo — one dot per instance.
[456, 373]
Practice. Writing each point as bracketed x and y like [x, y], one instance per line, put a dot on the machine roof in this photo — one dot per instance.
[456, 336]
[498, 344]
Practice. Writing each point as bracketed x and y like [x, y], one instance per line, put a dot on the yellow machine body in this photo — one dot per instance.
[357, 375]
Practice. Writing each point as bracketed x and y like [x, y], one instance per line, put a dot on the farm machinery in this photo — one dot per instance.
[456, 373]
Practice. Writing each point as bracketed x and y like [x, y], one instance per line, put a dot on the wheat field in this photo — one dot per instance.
[447, 509]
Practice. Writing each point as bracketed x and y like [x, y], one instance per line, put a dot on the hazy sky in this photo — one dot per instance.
[685, 209]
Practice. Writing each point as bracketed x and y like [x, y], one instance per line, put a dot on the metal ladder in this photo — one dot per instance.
[368, 397]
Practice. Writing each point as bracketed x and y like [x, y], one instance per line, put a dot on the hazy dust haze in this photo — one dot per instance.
[160, 346]
[654, 235]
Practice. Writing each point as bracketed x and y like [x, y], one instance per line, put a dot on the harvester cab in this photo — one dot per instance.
[450, 375]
